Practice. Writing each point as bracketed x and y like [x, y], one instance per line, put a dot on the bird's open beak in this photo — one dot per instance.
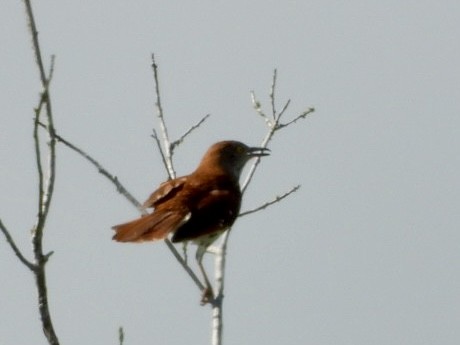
[258, 151]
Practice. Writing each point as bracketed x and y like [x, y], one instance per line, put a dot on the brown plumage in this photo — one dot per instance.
[197, 207]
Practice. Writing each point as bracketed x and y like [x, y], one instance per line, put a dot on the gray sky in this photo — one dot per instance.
[367, 252]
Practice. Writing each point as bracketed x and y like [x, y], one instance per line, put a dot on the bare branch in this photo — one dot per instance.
[272, 93]
[217, 305]
[257, 106]
[277, 199]
[15, 248]
[163, 127]
[219, 259]
[46, 183]
[119, 186]
[184, 264]
[220, 252]
[35, 43]
[301, 116]
[253, 168]
[38, 158]
[166, 154]
[190, 130]
[47, 256]
[121, 335]
[283, 110]
[51, 69]
[163, 158]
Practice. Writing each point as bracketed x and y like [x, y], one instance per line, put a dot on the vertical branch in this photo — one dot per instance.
[221, 252]
[121, 335]
[164, 130]
[217, 305]
[35, 43]
[253, 168]
[272, 94]
[166, 151]
[46, 181]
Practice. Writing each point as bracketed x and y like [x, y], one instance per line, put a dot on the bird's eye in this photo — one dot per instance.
[240, 149]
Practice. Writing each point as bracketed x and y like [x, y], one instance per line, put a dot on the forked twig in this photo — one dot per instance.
[190, 130]
[299, 117]
[46, 179]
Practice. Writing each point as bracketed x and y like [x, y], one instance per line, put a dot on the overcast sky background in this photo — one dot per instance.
[366, 252]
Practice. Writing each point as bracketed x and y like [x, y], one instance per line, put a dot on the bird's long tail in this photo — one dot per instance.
[152, 227]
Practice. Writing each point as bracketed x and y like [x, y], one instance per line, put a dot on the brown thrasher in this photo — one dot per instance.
[196, 207]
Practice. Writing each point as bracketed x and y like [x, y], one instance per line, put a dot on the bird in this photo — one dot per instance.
[197, 207]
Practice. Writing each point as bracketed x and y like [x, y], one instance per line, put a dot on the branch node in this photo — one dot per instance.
[275, 200]
[179, 141]
[47, 256]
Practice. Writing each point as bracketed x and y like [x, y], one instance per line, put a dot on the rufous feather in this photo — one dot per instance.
[152, 227]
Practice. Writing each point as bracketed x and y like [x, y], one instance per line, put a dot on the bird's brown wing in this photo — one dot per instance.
[215, 212]
[165, 191]
[152, 227]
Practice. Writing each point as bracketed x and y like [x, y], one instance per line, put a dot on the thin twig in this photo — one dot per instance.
[15, 248]
[167, 155]
[163, 127]
[286, 105]
[119, 186]
[253, 168]
[38, 156]
[277, 199]
[184, 265]
[258, 108]
[190, 130]
[272, 94]
[301, 116]
[49, 181]
[121, 335]
[163, 157]
[35, 43]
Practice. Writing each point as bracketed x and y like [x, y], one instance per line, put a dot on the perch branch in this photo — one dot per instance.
[278, 198]
[273, 126]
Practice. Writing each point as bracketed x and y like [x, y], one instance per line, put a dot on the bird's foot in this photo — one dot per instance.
[207, 297]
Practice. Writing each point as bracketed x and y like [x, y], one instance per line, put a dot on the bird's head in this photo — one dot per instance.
[230, 156]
